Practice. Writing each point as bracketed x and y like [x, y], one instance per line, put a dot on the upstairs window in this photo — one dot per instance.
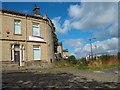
[36, 30]
[17, 27]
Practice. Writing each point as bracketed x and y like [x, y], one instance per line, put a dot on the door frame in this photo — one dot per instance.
[20, 48]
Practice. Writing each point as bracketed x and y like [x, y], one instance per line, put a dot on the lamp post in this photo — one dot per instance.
[91, 47]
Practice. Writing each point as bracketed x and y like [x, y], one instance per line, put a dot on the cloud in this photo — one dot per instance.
[75, 11]
[93, 15]
[100, 18]
[113, 31]
[90, 16]
[109, 46]
[110, 31]
[74, 42]
[64, 28]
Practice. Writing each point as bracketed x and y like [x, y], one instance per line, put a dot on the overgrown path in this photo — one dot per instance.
[61, 78]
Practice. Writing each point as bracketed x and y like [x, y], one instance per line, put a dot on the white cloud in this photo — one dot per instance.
[61, 28]
[109, 46]
[113, 31]
[74, 42]
[93, 17]
[75, 11]
[89, 16]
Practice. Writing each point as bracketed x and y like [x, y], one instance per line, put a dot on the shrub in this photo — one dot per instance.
[72, 59]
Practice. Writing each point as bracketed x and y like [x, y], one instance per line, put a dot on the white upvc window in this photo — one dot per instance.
[36, 29]
[36, 52]
[17, 27]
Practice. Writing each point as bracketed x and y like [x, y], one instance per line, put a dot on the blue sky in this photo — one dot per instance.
[76, 22]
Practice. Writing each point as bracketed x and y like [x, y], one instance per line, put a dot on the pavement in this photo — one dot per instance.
[60, 78]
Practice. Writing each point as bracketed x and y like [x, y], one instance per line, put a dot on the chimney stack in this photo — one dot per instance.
[36, 10]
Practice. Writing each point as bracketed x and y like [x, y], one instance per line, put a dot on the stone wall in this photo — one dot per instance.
[46, 30]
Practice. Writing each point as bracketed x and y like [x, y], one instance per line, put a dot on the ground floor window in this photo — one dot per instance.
[36, 52]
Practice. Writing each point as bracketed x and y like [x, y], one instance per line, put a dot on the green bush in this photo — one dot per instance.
[84, 62]
[72, 59]
[105, 57]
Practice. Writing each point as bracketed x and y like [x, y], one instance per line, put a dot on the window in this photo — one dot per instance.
[36, 31]
[17, 27]
[17, 46]
[36, 52]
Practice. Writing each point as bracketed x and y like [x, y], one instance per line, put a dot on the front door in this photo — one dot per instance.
[17, 56]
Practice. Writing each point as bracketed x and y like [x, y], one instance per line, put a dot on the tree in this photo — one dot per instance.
[84, 61]
[72, 59]
[55, 40]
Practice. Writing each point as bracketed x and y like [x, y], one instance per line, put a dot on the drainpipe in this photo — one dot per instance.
[47, 55]
[46, 42]
[26, 37]
[20, 55]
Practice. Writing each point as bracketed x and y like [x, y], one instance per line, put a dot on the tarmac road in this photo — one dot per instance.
[60, 78]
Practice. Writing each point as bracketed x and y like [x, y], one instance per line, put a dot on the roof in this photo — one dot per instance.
[59, 43]
[19, 13]
[26, 14]
[66, 50]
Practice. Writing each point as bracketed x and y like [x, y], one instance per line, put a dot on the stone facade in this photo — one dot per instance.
[9, 40]
[65, 53]
[60, 49]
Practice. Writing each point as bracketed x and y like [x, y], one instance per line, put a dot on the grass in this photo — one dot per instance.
[58, 67]
[61, 64]
[65, 64]
[97, 68]
[79, 67]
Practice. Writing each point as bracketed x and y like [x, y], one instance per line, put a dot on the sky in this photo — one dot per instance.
[77, 22]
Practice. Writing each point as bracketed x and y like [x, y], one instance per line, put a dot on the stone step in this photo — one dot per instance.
[9, 62]
[11, 67]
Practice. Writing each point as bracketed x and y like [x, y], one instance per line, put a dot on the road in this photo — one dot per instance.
[60, 78]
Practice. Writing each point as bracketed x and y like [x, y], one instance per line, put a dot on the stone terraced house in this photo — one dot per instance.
[63, 53]
[26, 39]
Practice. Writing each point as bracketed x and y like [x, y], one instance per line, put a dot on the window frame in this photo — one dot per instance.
[19, 26]
[39, 52]
[33, 25]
